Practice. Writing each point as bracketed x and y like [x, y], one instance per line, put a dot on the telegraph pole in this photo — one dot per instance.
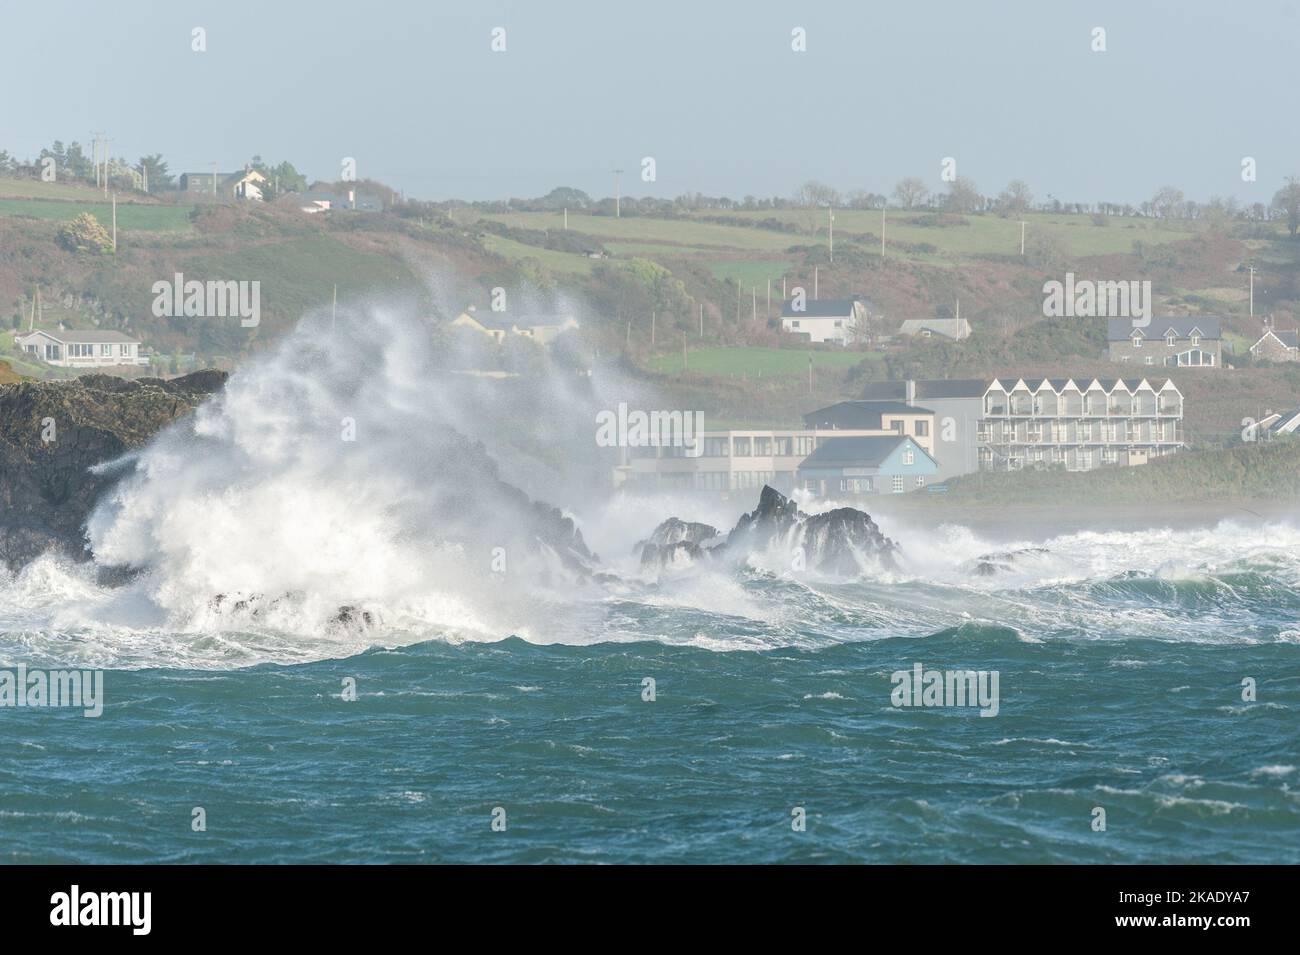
[115, 223]
[1022, 236]
[618, 205]
[882, 232]
[830, 214]
[1252, 290]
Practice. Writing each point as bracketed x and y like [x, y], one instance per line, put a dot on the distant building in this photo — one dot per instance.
[839, 320]
[82, 349]
[745, 459]
[350, 201]
[1078, 424]
[957, 405]
[542, 329]
[953, 329]
[1276, 345]
[880, 464]
[245, 184]
[876, 416]
[1167, 342]
[1275, 424]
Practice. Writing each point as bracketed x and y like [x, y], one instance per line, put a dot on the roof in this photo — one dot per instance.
[822, 308]
[859, 415]
[1122, 329]
[84, 337]
[1287, 338]
[1083, 383]
[932, 388]
[1285, 422]
[951, 327]
[488, 319]
[869, 452]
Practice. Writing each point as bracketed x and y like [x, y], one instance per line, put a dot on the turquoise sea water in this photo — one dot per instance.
[1121, 691]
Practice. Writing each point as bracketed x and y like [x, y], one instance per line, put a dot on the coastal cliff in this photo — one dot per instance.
[52, 433]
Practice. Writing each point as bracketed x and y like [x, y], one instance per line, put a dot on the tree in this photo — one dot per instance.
[814, 193]
[910, 192]
[1287, 201]
[1015, 198]
[1167, 201]
[282, 178]
[964, 196]
[156, 174]
[85, 234]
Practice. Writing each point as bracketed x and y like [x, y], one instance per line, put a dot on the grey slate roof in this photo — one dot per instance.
[80, 337]
[1121, 329]
[858, 415]
[854, 452]
[927, 388]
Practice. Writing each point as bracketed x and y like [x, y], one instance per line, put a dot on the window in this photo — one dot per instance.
[784, 447]
[52, 352]
[839, 323]
[1151, 359]
[794, 323]
[106, 351]
[908, 456]
[922, 428]
[1196, 340]
[1137, 341]
[920, 480]
[896, 426]
[898, 484]
[762, 447]
[742, 447]
[124, 350]
[1123, 359]
[803, 446]
[717, 447]
[1169, 339]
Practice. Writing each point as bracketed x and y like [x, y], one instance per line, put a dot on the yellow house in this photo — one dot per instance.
[542, 329]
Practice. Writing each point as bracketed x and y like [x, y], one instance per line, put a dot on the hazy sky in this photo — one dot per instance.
[711, 90]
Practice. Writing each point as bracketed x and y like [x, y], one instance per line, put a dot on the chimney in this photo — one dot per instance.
[910, 398]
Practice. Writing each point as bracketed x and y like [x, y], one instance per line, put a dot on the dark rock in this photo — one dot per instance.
[47, 487]
[841, 541]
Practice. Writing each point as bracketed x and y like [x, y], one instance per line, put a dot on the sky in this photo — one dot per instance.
[713, 91]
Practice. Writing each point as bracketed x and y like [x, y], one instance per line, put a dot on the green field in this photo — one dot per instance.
[560, 263]
[299, 274]
[36, 189]
[723, 362]
[665, 232]
[130, 216]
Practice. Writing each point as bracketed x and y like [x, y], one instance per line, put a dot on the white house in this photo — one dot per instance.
[953, 329]
[838, 320]
[82, 349]
[542, 329]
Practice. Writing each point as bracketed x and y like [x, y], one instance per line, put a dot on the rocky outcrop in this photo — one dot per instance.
[676, 541]
[51, 435]
[844, 541]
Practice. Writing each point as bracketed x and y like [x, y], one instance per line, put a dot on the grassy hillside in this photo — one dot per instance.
[130, 216]
[1253, 471]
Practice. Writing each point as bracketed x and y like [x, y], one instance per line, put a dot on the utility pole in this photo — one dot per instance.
[816, 269]
[628, 343]
[107, 142]
[214, 180]
[1022, 236]
[1252, 290]
[882, 232]
[115, 223]
[830, 213]
[566, 218]
[618, 205]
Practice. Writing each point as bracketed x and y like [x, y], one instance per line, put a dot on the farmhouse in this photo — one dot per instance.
[1168, 342]
[245, 184]
[838, 320]
[542, 329]
[1276, 345]
[82, 349]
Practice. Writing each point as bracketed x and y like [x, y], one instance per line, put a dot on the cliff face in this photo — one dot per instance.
[53, 432]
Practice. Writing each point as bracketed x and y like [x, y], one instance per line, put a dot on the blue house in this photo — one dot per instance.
[879, 464]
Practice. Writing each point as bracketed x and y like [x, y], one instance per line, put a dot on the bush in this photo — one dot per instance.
[85, 234]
